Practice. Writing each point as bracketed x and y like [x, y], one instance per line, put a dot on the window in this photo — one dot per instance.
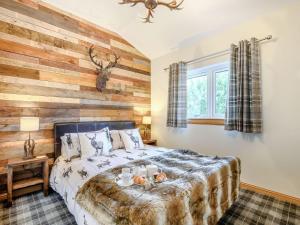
[207, 92]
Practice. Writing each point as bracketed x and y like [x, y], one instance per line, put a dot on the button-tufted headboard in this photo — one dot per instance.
[61, 128]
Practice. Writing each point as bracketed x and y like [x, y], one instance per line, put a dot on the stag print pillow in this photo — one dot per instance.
[95, 143]
[116, 139]
[132, 139]
[70, 147]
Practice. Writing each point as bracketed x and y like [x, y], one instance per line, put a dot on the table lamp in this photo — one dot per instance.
[29, 124]
[146, 121]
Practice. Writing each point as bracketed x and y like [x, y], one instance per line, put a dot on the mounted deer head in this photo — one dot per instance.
[103, 72]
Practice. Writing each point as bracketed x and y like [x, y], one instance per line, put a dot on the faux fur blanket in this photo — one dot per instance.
[198, 191]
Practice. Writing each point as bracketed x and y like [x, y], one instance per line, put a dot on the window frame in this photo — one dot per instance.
[211, 73]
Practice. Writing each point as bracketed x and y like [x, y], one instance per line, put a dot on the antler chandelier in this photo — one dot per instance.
[151, 5]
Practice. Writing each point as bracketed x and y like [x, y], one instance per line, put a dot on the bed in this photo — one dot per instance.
[199, 188]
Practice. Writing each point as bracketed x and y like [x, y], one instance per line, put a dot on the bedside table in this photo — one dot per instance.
[150, 142]
[12, 163]
[3, 194]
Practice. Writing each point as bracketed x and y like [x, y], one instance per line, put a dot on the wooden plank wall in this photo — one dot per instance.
[45, 71]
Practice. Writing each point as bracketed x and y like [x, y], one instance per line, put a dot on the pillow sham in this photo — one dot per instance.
[70, 146]
[95, 143]
[116, 139]
[132, 139]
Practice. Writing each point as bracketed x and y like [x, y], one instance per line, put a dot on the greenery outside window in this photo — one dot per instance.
[207, 92]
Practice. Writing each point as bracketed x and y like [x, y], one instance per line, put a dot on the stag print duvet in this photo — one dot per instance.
[67, 177]
[199, 188]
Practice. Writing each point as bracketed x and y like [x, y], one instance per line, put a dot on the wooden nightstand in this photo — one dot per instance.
[150, 142]
[13, 163]
[3, 194]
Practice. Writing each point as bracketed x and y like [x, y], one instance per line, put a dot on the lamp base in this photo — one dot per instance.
[26, 158]
[28, 149]
[147, 134]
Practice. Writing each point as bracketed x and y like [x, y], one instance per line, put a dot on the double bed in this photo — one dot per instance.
[199, 188]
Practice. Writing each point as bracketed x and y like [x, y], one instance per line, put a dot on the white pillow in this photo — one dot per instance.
[70, 146]
[132, 139]
[95, 143]
[116, 139]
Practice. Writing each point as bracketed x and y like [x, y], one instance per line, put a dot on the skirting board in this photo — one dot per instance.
[277, 195]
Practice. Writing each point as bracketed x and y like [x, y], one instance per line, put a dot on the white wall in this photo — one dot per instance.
[270, 160]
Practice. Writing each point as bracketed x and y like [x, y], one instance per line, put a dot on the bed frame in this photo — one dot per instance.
[74, 127]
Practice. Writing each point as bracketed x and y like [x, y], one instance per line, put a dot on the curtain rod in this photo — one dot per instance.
[269, 37]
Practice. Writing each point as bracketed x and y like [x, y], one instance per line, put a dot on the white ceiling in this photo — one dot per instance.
[170, 28]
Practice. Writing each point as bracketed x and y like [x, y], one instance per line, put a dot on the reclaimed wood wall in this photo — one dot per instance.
[45, 71]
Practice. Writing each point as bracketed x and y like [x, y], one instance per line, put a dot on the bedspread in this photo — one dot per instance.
[199, 190]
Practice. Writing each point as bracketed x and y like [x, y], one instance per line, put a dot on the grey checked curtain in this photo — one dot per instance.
[243, 112]
[177, 101]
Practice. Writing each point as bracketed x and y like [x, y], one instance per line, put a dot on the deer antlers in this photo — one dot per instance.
[92, 57]
[152, 4]
[171, 5]
[147, 19]
[114, 63]
[99, 64]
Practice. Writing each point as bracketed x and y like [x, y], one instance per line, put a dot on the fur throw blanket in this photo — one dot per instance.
[198, 191]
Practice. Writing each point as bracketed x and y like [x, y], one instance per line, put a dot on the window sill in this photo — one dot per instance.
[219, 122]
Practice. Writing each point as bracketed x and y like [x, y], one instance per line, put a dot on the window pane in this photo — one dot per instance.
[221, 92]
[197, 97]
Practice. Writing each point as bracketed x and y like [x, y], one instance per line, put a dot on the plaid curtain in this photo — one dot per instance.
[243, 112]
[177, 101]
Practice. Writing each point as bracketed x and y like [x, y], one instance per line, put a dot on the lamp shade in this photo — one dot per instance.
[29, 123]
[147, 120]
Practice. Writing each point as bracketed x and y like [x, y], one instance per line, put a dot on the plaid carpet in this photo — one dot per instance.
[35, 209]
[251, 208]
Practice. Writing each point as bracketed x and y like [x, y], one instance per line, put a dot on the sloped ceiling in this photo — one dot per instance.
[170, 29]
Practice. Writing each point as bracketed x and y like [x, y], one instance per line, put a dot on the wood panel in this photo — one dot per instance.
[10, 46]
[45, 71]
[14, 71]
